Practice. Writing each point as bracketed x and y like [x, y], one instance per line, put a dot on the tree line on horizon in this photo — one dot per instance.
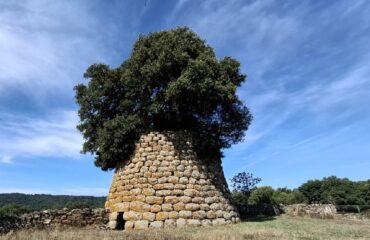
[19, 203]
[329, 190]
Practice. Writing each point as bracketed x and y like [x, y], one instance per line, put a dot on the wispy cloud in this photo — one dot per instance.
[5, 159]
[45, 46]
[55, 135]
[24, 190]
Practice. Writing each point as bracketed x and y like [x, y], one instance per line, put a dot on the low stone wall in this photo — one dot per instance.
[96, 218]
[326, 211]
[9, 223]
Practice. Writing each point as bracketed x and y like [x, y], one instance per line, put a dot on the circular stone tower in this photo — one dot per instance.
[164, 184]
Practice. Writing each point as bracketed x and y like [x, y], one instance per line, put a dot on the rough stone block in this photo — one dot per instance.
[148, 216]
[185, 199]
[168, 186]
[132, 216]
[190, 192]
[197, 200]
[154, 200]
[129, 225]
[161, 216]
[192, 206]
[199, 214]
[142, 224]
[194, 222]
[218, 221]
[211, 214]
[167, 207]
[180, 186]
[179, 206]
[156, 224]
[112, 224]
[170, 223]
[171, 199]
[181, 222]
[113, 216]
[173, 215]
[185, 214]
[139, 206]
[155, 208]
[206, 222]
[163, 193]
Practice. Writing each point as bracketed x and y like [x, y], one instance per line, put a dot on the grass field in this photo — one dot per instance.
[286, 228]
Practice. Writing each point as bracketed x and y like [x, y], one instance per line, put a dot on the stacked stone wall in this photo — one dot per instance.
[325, 211]
[164, 184]
[96, 218]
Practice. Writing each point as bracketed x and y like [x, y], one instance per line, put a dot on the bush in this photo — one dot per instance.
[338, 191]
[262, 195]
[13, 210]
[286, 196]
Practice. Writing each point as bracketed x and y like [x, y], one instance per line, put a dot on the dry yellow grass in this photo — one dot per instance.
[286, 228]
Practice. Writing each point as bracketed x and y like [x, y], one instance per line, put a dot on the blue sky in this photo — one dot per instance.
[308, 84]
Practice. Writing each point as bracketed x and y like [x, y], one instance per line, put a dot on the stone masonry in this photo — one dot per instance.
[49, 219]
[164, 184]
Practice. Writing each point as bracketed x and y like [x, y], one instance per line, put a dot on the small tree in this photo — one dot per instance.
[171, 81]
[243, 183]
[312, 190]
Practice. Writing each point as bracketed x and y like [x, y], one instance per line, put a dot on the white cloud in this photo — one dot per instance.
[85, 191]
[5, 159]
[45, 45]
[54, 135]
[24, 190]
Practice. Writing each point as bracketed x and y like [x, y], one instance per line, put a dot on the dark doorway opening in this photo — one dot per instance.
[120, 221]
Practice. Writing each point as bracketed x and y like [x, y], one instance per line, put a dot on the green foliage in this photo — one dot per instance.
[262, 195]
[171, 81]
[286, 196]
[240, 198]
[44, 201]
[346, 194]
[311, 190]
[365, 191]
[339, 191]
[13, 209]
[76, 205]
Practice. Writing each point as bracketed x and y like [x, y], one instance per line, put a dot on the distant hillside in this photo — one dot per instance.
[46, 201]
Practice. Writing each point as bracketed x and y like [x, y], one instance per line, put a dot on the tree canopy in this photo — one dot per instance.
[340, 191]
[172, 81]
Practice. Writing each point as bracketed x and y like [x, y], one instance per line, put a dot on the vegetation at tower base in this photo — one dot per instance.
[172, 81]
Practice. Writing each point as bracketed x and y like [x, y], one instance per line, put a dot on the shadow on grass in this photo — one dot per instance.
[259, 218]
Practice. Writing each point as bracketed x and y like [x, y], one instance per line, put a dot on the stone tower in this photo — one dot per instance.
[164, 184]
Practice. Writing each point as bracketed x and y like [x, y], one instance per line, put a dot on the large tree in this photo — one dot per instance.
[171, 81]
